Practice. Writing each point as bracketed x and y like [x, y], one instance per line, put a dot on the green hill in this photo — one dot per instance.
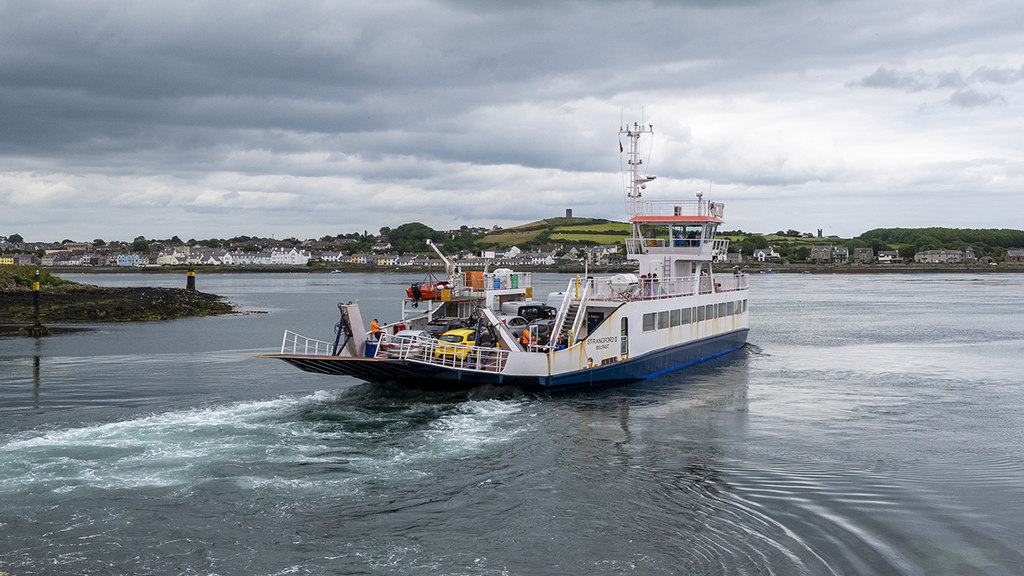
[558, 231]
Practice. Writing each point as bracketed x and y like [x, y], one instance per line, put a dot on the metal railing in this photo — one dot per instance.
[298, 344]
[461, 356]
[679, 208]
[603, 289]
[680, 246]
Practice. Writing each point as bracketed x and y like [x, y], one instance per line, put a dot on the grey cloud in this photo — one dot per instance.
[445, 98]
[972, 98]
[997, 75]
[913, 81]
[964, 94]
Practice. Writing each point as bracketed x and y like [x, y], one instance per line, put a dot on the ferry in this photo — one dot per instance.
[674, 311]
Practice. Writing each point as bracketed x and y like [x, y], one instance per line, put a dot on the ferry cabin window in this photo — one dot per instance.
[744, 305]
[731, 308]
[663, 319]
[649, 322]
[687, 315]
[673, 319]
[692, 234]
[721, 309]
[709, 312]
[700, 313]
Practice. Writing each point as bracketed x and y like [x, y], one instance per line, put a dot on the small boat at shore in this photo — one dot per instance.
[672, 312]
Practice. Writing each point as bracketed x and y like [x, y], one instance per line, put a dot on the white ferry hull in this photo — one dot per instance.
[419, 374]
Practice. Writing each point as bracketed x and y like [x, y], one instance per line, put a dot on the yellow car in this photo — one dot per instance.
[455, 343]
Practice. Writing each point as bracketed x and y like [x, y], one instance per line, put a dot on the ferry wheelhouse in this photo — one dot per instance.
[672, 312]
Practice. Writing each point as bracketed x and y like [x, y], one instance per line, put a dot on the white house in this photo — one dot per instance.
[173, 256]
[888, 256]
[291, 257]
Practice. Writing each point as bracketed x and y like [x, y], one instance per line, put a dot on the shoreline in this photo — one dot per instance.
[86, 304]
[750, 268]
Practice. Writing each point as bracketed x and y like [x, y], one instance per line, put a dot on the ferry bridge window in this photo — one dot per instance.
[692, 234]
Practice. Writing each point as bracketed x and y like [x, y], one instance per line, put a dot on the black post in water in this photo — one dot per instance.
[37, 330]
[190, 284]
[35, 300]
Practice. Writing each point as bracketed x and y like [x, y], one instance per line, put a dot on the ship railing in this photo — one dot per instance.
[577, 323]
[731, 282]
[682, 246]
[604, 289]
[679, 208]
[434, 352]
[298, 344]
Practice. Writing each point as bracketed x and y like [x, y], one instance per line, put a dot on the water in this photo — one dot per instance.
[872, 426]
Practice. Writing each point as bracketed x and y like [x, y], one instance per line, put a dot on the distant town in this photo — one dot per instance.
[557, 243]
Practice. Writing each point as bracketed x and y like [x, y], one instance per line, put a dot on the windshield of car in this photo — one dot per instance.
[451, 338]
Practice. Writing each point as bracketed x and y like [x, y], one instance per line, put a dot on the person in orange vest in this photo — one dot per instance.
[375, 329]
[526, 340]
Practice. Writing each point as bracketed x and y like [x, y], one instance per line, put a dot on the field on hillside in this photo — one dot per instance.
[617, 227]
[559, 230]
[610, 238]
[511, 238]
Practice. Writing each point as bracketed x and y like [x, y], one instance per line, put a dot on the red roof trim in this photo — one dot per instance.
[675, 219]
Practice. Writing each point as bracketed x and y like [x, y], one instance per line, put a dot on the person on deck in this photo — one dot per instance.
[375, 329]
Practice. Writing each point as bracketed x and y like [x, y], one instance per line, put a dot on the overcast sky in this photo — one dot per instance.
[216, 119]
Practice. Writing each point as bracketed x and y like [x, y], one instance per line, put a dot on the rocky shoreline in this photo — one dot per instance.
[79, 303]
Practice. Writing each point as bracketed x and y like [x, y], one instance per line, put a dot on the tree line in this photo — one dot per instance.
[794, 246]
[410, 238]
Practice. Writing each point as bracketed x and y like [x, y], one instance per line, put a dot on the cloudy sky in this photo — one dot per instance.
[215, 119]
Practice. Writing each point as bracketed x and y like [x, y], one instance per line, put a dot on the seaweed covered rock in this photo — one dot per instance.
[83, 303]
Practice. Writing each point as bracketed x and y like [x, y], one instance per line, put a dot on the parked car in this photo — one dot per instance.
[538, 312]
[529, 309]
[542, 328]
[455, 343]
[514, 323]
[408, 343]
[438, 326]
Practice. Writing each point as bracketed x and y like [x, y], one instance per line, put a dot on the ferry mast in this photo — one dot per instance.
[637, 182]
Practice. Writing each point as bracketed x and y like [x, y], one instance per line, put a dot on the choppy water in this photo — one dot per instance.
[873, 426]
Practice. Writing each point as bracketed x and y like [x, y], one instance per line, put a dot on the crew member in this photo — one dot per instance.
[526, 339]
[375, 329]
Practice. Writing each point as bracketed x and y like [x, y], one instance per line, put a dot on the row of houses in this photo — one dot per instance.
[602, 255]
[841, 255]
[184, 255]
[172, 257]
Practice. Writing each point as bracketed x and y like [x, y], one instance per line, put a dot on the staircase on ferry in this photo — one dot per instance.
[569, 322]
